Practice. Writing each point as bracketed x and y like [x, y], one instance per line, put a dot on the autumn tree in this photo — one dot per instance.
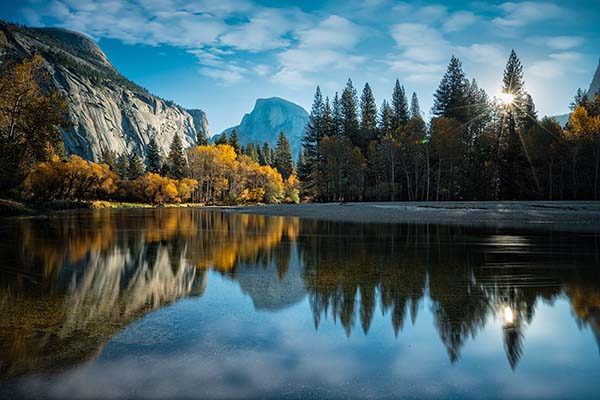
[31, 116]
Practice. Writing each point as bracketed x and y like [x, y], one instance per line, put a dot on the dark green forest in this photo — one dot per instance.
[473, 148]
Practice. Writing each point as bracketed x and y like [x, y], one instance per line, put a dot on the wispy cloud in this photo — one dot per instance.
[556, 65]
[328, 44]
[517, 15]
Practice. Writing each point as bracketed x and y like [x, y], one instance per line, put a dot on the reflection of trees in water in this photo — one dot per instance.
[71, 282]
[470, 276]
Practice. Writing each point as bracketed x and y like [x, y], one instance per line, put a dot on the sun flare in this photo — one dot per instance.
[506, 98]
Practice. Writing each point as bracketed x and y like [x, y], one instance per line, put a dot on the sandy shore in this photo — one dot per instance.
[585, 214]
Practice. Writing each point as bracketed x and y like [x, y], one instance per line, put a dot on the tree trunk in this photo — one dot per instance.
[439, 177]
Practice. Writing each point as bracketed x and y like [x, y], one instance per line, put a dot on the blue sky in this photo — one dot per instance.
[222, 55]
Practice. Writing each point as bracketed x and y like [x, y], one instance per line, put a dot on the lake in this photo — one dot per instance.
[186, 303]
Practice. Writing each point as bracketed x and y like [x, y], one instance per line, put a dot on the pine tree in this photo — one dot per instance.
[251, 152]
[177, 161]
[234, 142]
[386, 118]
[349, 115]
[136, 167]
[314, 131]
[153, 162]
[122, 167]
[283, 160]
[223, 139]
[451, 97]
[415, 109]
[266, 154]
[201, 138]
[109, 157]
[513, 160]
[368, 121]
[399, 107]
[328, 122]
[336, 115]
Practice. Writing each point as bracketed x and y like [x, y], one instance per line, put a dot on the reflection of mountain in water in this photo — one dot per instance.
[71, 282]
[276, 286]
[72, 317]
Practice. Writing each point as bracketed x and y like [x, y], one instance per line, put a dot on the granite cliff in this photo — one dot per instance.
[107, 111]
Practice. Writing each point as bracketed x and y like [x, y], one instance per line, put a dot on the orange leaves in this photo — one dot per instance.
[74, 179]
[156, 189]
[582, 125]
[225, 177]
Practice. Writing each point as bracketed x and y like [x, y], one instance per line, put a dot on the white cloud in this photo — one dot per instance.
[325, 46]
[333, 31]
[517, 15]
[266, 30]
[489, 54]
[420, 42]
[556, 65]
[564, 42]
[459, 21]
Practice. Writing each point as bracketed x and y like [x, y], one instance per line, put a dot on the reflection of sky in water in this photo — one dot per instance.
[183, 303]
[219, 346]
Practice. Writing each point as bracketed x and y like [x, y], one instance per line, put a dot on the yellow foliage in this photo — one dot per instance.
[582, 126]
[224, 177]
[74, 179]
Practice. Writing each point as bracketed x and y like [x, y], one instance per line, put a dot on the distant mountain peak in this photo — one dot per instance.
[269, 117]
[595, 85]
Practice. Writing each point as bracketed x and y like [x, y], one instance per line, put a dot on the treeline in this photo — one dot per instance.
[473, 148]
[34, 167]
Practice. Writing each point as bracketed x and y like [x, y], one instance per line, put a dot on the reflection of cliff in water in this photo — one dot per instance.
[69, 283]
[60, 313]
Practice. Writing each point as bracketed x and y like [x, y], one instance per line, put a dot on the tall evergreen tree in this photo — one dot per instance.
[266, 154]
[513, 160]
[223, 139]
[251, 152]
[451, 97]
[399, 106]
[153, 162]
[336, 115]
[368, 121]
[201, 138]
[177, 161]
[386, 120]
[122, 167]
[314, 131]
[348, 105]
[415, 109]
[136, 167]
[109, 157]
[328, 122]
[283, 160]
[234, 141]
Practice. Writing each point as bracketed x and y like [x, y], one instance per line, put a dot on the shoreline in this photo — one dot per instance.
[569, 214]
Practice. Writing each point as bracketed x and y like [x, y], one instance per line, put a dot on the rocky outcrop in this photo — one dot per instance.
[268, 118]
[107, 111]
[595, 85]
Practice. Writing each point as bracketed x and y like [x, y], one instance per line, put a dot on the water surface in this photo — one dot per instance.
[188, 303]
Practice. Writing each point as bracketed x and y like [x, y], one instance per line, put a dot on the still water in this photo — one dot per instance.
[187, 303]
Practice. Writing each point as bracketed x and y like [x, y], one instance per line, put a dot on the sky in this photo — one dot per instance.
[221, 55]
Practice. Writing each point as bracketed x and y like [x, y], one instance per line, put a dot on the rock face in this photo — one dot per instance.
[107, 111]
[268, 118]
[595, 85]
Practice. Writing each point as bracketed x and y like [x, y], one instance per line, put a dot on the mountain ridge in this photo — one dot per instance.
[107, 110]
[268, 118]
